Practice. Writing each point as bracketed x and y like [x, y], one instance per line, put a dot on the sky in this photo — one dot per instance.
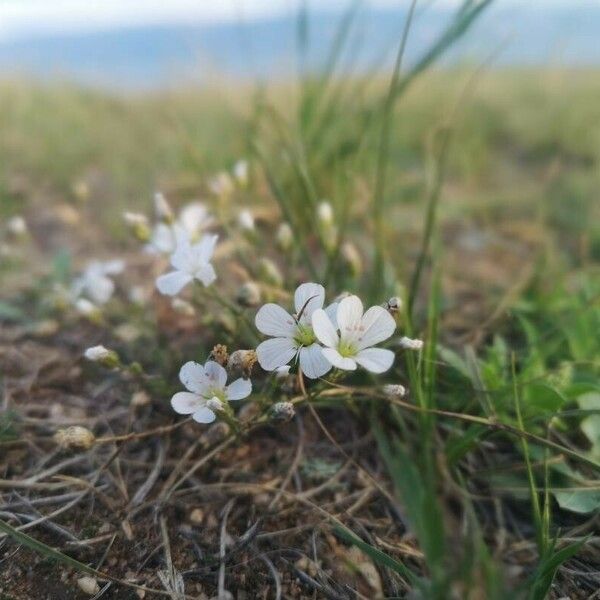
[21, 19]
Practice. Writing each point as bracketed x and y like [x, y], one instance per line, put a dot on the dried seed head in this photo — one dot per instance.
[394, 390]
[269, 272]
[283, 411]
[88, 585]
[75, 438]
[241, 362]
[249, 294]
[219, 354]
[410, 344]
[285, 236]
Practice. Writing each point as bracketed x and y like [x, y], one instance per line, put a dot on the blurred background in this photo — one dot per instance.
[105, 102]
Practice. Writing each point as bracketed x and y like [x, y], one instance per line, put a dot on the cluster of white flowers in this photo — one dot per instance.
[339, 336]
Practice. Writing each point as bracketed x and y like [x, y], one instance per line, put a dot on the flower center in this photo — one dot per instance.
[347, 349]
[304, 335]
[215, 393]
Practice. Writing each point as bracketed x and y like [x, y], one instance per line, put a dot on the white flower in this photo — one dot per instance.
[97, 353]
[246, 220]
[191, 261]
[410, 344]
[193, 219]
[135, 219]
[358, 332]
[240, 172]
[206, 384]
[95, 282]
[293, 336]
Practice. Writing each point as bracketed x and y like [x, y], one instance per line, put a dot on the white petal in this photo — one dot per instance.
[331, 311]
[172, 283]
[311, 293]
[192, 376]
[206, 274]
[275, 353]
[349, 314]
[216, 375]
[376, 360]
[183, 257]
[185, 403]
[205, 248]
[163, 238]
[194, 217]
[204, 415]
[324, 329]
[271, 319]
[240, 388]
[337, 360]
[377, 325]
[312, 362]
[100, 288]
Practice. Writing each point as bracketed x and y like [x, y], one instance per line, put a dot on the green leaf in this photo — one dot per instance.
[543, 397]
[376, 555]
[578, 501]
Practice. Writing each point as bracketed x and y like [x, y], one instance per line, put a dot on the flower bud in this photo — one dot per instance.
[393, 305]
[104, 356]
[75, 438]
[325, 213]
[88, 585]
[215, 404]
[285, 236]
[88, 310]
[249, 294]
[183, 307]
[17, 226]
[138, 224]
[221, 184]
[283, 411]
[394, 390]
[163, 209]
[352, 258]
[246, 220]
[269, 272]
[241, 362]
[410, 344]
[240, 172]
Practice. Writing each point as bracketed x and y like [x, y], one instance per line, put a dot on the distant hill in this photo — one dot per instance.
[155, 56]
